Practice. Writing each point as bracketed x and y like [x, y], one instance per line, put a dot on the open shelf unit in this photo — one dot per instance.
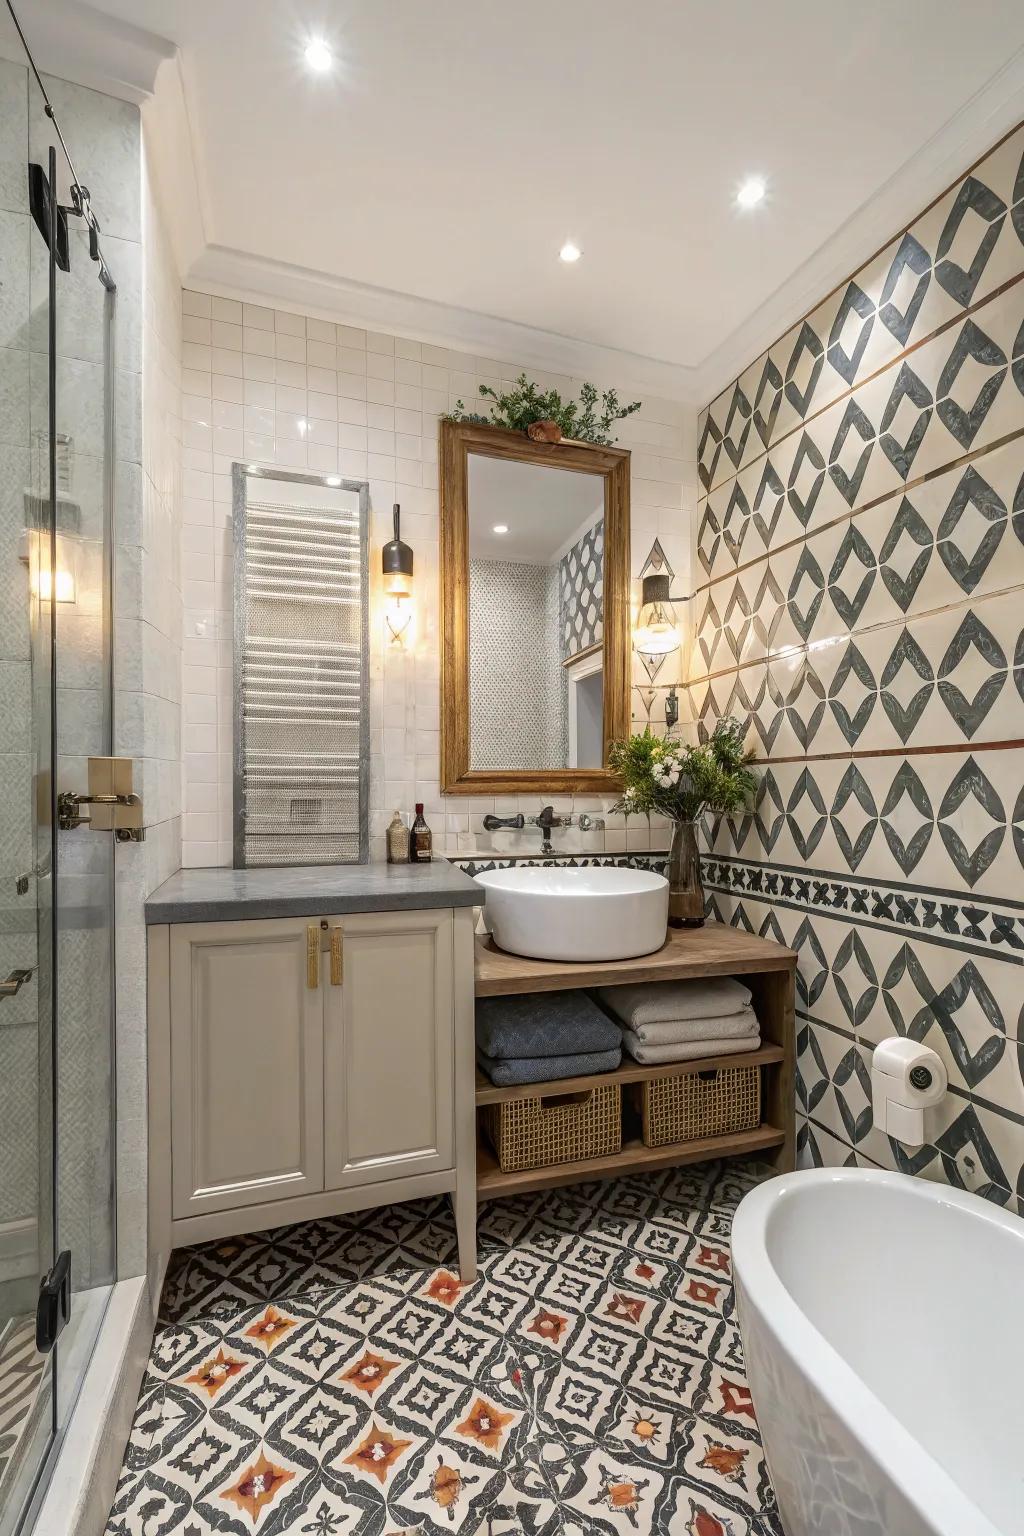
[714, 950]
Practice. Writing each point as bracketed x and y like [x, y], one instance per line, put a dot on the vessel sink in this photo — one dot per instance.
[595, 913]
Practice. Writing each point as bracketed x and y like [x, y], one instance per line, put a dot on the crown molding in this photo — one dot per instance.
[74, 41]
[174, 165]
[237, 274]
[967, 137]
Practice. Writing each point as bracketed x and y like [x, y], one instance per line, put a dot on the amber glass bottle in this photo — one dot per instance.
[420, 840]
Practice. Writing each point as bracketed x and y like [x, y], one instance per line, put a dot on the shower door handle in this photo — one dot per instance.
[13, 984]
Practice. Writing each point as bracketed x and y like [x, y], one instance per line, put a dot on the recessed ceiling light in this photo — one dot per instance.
[318, 56]
[500, 528]
[569, 252]
[751, 192]
[333, 480]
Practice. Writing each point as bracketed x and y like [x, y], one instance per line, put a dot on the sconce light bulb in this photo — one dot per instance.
[657, 632]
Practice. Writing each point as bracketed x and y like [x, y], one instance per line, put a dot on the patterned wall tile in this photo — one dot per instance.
[947, 262]
[861, 540]
[581, 592]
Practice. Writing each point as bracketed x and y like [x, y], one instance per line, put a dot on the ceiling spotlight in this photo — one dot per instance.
[750, 193]
[318, 56]
[333, 480]
[569, 252]
[500, 528]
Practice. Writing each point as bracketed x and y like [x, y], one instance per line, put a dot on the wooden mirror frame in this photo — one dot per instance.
[458, 440]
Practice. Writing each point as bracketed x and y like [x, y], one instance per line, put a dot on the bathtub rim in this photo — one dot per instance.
[921, 1480]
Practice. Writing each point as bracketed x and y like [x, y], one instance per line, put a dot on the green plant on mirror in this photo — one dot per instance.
[662, 777]
[546, 416]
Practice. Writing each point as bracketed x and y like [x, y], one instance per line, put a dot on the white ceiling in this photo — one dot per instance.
[457, 145]
[544, 509]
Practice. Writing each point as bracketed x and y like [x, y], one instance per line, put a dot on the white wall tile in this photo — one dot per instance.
[370, 402]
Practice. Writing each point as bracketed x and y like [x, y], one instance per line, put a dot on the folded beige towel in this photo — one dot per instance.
[666, 1002]
[738, 1026]
[648, 1055]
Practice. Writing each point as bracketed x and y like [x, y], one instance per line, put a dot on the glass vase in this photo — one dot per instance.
[686, 889]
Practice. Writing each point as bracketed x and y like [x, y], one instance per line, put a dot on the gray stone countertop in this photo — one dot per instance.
[223, 895]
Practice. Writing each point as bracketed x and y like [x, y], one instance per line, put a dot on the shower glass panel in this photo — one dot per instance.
[57, 1236]
[27, 1400]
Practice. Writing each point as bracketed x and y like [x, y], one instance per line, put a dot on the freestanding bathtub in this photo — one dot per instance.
[883, 1325]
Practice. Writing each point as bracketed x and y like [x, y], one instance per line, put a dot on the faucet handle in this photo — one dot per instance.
[494, 823]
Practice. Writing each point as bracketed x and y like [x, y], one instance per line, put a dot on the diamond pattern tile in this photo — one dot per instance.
[875, 652]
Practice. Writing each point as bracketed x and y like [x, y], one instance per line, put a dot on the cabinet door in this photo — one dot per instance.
[246, 1064]
[388, 1063]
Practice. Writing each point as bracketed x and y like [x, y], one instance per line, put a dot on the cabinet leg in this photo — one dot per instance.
[464, 1200]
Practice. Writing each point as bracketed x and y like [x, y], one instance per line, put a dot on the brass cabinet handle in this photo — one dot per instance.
[337, 939]
[313, 956]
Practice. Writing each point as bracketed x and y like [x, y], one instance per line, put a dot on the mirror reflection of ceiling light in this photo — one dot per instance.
[500, 528]
[569, 252]
[751, 192]
[252, 469]
[318, 56]
[333, 480]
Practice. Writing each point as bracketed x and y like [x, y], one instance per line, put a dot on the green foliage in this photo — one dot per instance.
[666, 778]
[580, 419]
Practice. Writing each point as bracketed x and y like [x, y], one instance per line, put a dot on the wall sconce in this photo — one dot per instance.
[46, 582]
[657, 629]
[396, 563]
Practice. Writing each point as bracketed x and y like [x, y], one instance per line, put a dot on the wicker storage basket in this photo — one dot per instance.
[558, 1128]
[690, 1105]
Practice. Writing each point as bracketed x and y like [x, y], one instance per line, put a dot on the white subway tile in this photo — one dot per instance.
[255, 316]
[227, 309]
[194, 303]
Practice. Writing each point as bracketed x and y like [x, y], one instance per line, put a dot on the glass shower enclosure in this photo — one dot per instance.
[57, 1213]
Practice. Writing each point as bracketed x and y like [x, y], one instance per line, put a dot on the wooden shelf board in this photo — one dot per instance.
[634, 1158]
[629, 1072]
[714, 950]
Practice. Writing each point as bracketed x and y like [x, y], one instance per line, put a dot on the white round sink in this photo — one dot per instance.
[599, 912]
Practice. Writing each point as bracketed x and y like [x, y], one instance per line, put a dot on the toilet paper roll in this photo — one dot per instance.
[916, 1072]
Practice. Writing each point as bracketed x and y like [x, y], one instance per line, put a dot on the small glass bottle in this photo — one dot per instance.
[398, 840]
[420, 840]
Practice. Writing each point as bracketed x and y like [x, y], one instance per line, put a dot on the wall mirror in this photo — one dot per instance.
[534, 612]
[301, 684]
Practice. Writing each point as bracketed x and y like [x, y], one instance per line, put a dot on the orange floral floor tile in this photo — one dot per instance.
[336, 1378]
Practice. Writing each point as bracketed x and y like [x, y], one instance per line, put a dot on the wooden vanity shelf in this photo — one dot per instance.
[714, 950]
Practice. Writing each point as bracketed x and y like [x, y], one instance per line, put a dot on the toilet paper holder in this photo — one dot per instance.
[906, 1079]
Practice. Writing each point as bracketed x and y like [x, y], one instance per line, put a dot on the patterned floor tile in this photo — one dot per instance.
[337, 1379]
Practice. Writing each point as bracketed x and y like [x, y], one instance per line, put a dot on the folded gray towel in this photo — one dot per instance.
[737, 1026]
[651, 1055]
[543, 1069]
[665, 1002]
[543, 1024]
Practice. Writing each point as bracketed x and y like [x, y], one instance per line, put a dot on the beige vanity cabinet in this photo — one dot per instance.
[388, 1048]
[246, 1042]
[304, 1066]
